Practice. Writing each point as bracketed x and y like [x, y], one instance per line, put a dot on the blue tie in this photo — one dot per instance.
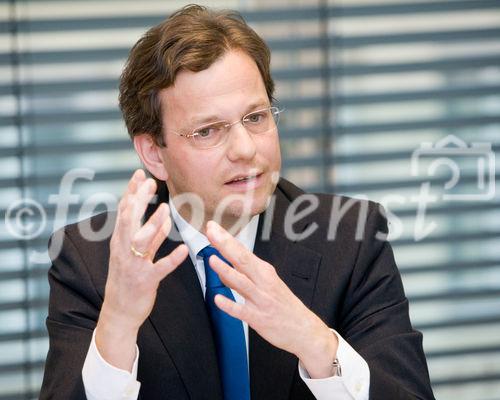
[229, 335]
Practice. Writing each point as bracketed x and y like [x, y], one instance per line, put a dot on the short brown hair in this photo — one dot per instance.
[192, 38]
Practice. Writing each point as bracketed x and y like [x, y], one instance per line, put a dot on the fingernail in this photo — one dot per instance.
[216, 226]
[167, 209]
[210, 260]
[150, 184]
[138, 174]
[214, 229]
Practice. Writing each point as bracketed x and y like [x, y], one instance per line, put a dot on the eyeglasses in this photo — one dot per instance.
[216, 133]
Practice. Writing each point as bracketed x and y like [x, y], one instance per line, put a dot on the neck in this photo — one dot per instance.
[232, 224]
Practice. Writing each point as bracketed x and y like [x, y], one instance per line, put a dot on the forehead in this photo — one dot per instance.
[224, 90]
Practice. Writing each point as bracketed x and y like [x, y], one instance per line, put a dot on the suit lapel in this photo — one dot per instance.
[180, 319]
[271, 369]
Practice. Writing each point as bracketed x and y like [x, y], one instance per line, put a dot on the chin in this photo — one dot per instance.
[238, 211]
[235, 210]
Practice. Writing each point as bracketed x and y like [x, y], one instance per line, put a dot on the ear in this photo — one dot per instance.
[150, 155]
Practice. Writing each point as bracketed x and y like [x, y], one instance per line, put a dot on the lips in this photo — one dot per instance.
[245, 182]
[241, 179]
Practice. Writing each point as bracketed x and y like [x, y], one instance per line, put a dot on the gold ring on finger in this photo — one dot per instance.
[138, 253]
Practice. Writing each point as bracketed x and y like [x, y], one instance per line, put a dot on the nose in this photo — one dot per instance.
[241, 145]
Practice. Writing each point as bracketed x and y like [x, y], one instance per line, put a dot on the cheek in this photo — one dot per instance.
[180, 172]
[271, 151]
[199, 170]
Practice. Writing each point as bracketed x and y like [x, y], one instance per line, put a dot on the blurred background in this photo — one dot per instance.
[365, 85]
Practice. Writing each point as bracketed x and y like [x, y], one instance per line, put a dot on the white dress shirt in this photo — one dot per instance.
[102, 381]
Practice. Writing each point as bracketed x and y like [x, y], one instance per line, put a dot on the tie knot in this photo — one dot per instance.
[208, 251]
[212, 279]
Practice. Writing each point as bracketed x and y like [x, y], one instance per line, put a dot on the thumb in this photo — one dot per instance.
[167, 264]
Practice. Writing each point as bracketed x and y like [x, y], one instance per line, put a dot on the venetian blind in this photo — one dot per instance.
[364, 85]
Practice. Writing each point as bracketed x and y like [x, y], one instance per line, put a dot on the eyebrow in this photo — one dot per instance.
[196, 122]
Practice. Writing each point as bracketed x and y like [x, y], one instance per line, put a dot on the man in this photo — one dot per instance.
[256, 303]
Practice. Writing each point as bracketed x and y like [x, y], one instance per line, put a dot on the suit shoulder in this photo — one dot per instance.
[80, 251]
[289, 190]
[89, 236]
[85, 228]
[349, 208]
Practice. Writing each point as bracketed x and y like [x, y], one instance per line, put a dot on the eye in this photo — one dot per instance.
[208, 131]
[256, 117]
[205, 132]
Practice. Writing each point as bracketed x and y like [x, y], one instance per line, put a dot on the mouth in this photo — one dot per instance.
[244, 181]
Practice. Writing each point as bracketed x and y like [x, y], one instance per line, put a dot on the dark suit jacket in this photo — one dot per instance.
[354, 286]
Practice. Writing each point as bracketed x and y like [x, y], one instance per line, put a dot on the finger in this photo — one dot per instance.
[137, 177]
[139, 202]
[142, 239]
[121, 209]
[230, 307]
[131, 210]
[235, 252]
[122, 221]
[161, 234]
[167, 264]
[232, 278]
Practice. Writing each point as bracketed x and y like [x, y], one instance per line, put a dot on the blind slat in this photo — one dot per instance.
[355, 76]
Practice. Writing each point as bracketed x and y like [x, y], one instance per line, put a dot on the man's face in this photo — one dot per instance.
[229, 89]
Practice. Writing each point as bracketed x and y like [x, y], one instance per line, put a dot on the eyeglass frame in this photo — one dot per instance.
[228, 125]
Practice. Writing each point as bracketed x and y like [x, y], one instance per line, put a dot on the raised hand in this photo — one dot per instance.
[133, 278]
[271, 308]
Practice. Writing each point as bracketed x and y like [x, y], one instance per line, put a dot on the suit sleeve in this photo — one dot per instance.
[375, 320]
[73, 311]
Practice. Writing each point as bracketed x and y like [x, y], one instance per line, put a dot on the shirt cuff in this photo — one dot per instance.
[102, 381]
[354, 384]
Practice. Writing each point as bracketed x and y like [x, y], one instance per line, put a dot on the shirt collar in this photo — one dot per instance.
[196, 241]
